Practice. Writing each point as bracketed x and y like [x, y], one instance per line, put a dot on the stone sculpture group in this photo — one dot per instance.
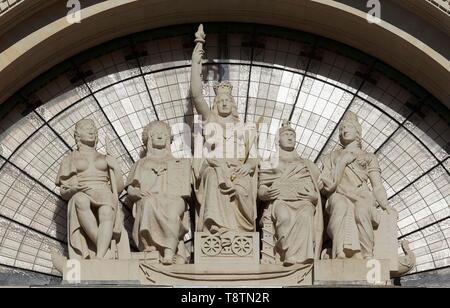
[298, 212]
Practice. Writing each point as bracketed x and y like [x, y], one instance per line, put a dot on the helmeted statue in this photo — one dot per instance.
[291, 190]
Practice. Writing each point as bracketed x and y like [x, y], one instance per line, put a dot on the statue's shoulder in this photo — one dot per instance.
[310, 165]
[371, 159]
[329, 155]
[336, 153]
[371, 156]
[69, 156]
[307, 162]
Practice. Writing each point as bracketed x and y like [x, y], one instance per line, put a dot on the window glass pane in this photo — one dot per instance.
[431, 246]
[29, 203]
[434, 132]
[129, 108]
[424, 202]
[60, 93]
[103, 68]
[337, 69]
[16, 126]
[168, 52]
[388, 95]
[319, 108]
[26, 249]
[402, 160]
[41, 155]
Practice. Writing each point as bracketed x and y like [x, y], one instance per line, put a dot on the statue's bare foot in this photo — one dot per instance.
[179, 260]
[214, 229]
[289, 262]
[150, 249]
[341, 255]
[167, 261]
[169, 257]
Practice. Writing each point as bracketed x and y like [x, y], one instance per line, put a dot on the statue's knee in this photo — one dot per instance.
[281, 213]
[178, 208]
[82, 203]
[362, 212]
[212, 176]
[338, 202]
[106, 213]
[309, 211]
[240, 191]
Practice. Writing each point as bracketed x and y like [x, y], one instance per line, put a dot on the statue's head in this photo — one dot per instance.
[86, 133]
[157, 135]
[287, 136]
[350, 129]
[224, 104]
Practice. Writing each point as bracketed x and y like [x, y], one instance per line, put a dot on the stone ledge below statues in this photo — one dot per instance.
[144, 273]
[139, 272]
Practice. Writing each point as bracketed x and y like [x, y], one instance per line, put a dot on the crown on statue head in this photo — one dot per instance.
[223, 87]
[286, 126]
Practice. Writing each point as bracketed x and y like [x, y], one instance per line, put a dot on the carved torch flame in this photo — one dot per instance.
[200, 35]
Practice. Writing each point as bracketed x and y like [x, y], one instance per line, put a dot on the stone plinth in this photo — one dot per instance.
[386, 243]
[351, 272]
[148, 256]
[238, 249]
[138, 272]
[101, 272]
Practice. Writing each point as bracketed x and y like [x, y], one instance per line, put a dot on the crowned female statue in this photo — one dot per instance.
[92, 182]
[226, 181]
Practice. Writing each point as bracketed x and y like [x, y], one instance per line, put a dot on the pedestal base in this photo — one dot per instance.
[351, 272]
[135, 272]
[229, 248]
[150, 272]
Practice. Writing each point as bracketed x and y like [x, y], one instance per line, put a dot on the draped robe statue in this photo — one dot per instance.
[158, 184]
[225, 180]
[292, 191]
[352, 204]
[91, 183]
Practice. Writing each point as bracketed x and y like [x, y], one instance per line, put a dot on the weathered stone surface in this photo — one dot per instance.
[227, 250]
[351, 272]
